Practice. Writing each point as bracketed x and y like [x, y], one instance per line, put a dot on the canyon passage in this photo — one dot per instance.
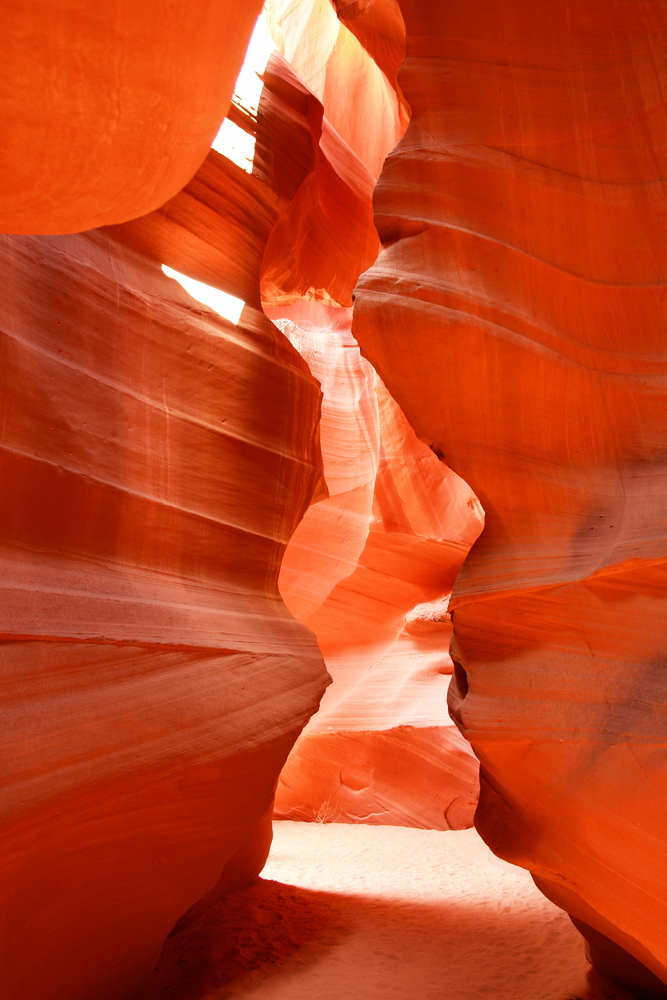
[332, 432]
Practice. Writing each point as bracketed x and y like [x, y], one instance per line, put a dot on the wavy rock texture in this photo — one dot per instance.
[312, 260]
[325, 237]
[155, 461]
[349, 63]
[392, 535]
[516, 315]
[109, 110]
[328, 116]
[215, 230]
[396, 524]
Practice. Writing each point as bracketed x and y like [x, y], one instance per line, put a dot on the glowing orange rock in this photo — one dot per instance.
[325, 237]
[214, 230]
[349, 64]
[108, 111]
[332, 111]
[155, 460]
[396, 524]
[516, 315]
[379, 26]
[391, 535]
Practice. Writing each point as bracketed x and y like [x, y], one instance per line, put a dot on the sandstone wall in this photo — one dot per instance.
[109, 109]
[516, 314]
[397, 524]
[155, 462]
[391, 535]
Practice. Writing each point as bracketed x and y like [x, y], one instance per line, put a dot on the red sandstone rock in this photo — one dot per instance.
[155, 461]
[328, 116]
[325, 237]
[329, 539]
[396, 524]
[214, 230]
[392, 534]
[379, 26]
[350, 66]
[108, 110]
[516, 315]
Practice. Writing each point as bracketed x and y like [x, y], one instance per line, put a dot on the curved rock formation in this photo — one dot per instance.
[396, 524]
[392, 535]
[349, 63]
[325, 237]
[215, 230]
[328, 116]
[329, 539]
[108, 111]
[155, 462]
[516, 314]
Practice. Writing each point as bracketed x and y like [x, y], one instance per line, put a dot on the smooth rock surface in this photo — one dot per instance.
[396, 524]
[215, 230]
[108, 110]
[516, 315]
[391, 535]
[155, 459]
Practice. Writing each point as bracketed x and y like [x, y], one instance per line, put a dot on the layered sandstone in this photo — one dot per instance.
[359, 570]
[516, 315]
[396, 524]
[155, 461]
[329, 114]
[215, 230]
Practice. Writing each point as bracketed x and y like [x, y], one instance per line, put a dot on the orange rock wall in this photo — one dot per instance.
[329, 114]
[109, 109]
[155, 461]
[391, 535]
[215, 230]
[516, 314]
[396, 524]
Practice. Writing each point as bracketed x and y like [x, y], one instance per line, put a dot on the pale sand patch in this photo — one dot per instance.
[347, 912]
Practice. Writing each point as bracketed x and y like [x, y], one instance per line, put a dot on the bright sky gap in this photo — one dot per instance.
[228, 306]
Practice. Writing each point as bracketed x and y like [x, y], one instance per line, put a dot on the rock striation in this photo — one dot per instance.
[155, 461]
[396, 524]
[215, 230]
[359, 569]
[328, 115]
[160, 464]
[516, 316]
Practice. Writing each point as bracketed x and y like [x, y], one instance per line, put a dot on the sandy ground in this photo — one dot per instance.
[380, 913]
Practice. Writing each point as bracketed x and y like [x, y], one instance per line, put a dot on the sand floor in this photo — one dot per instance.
[380, 913]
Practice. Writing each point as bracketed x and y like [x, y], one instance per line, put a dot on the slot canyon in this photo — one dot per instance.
[334, 500]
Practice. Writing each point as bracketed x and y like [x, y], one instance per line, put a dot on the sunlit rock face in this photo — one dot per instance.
[215, 230]
[396, 524]
[516, 315]
[328, 116]
[391, 535]
[155, 461]
[109, 110]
